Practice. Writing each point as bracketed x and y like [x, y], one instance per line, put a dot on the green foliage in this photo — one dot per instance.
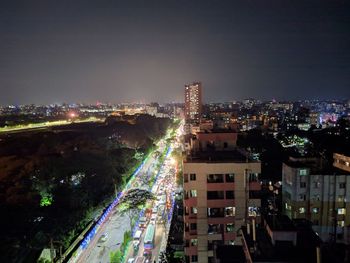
[43, 260]
[133, 201]
[68, 176]
[179, 177]
[46, 199]
[127, 239]
[116, 257]
[179, 254]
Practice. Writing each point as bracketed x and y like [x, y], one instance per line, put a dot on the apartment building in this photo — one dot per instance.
[222, 187]
[319, 195]
[341, 162]
[193, 102]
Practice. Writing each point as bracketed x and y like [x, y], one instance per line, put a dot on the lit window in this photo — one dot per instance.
[341, 211]
[302, 172]
[341, 223]
[341, 198]
[193, 210]
[301, 210]
[287, 206]
[193, 193]
[230, 211]
[194, 242]
[253, 211]
[215, 228]
[230, 177]
[315, 210]
[230, 227]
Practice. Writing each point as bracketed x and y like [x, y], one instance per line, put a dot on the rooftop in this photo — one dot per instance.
[218, 130]
[218, 157]
[316, 166]
[280, 223]
[283, 251]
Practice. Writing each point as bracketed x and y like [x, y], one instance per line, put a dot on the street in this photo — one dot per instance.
[165, 185]
[115, 224]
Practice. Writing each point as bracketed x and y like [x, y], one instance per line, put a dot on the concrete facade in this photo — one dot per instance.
[317, 197]
[216, 203]
[193, 102]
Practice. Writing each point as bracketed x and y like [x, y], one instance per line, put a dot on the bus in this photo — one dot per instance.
[149, 237]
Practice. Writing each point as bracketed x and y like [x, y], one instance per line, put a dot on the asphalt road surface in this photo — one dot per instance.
[116, 224]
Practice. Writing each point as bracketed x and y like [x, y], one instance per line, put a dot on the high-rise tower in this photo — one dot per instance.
[193, 102]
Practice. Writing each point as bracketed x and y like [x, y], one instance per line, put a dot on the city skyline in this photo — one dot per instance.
[129, 51]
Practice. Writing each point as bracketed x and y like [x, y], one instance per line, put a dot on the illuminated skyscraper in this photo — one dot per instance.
[193, 102]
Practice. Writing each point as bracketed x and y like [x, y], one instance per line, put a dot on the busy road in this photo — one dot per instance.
[109, 235]
[151, 231]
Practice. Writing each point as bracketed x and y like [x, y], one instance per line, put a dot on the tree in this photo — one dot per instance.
[133, 201]
[116, 257]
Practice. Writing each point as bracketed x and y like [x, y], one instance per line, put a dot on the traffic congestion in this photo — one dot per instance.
[152, 224]
[150, 232]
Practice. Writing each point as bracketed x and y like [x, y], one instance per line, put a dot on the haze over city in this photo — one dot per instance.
[116, 51]
[187, 131]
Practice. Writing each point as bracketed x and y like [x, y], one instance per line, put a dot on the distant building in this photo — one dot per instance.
[279, 239]
[151, 110]
[206, 125]
[314, 118]
[221, 186]
[193, 102]
[341, 161]
[313, 193]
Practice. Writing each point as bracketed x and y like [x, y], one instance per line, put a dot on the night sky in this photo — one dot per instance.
[126, 51]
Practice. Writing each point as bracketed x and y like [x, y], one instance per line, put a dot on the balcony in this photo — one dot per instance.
[215, 229]
[221, 220]
[216, 212]
[215, 178]
[221, 203]
[215, 195]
